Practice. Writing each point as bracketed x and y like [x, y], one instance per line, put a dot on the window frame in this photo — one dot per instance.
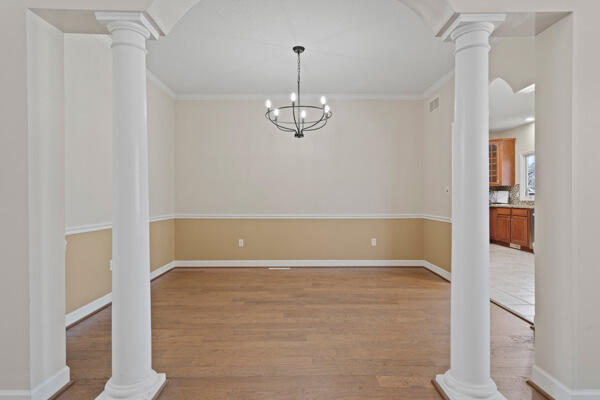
[523, 189]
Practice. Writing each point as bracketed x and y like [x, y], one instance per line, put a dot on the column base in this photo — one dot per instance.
[145, 390]
[455, 390]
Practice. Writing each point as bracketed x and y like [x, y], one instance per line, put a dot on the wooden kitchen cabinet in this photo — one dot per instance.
[510, 226]
[502, 162]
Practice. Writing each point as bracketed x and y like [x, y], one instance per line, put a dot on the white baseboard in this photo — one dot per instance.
[297, 263]
[163, 270]
[88, 309]
[43, 391]
[558, 390]
[50, 386]
[437, 270]
[97, 304]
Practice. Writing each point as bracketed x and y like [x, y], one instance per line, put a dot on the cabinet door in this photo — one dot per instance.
[502, 228]
[493, 216]
[495, 164]
[519, 230]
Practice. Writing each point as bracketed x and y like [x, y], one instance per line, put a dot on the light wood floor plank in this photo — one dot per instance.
[376, 333]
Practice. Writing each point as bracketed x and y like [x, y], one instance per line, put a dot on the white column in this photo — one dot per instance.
[132, 373]
[469, 374]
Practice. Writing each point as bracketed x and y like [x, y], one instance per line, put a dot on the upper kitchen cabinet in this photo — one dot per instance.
[502, 162]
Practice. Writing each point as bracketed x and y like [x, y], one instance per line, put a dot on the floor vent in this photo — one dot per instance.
[279, 268]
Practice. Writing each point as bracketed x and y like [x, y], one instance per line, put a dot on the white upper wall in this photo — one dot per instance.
[231, 160]
[88, 111]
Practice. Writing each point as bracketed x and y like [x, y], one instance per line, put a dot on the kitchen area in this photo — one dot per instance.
[512, 199]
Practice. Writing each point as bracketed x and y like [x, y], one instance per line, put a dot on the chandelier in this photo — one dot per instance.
[298, 118]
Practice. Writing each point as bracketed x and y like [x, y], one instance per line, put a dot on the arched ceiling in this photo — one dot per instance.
[509, 109]
[356, 47]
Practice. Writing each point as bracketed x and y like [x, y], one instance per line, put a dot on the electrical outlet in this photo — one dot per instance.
[241, 243]
[110, 265]
[373, 242]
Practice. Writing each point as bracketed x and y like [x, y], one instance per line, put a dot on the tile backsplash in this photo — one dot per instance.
[515, 194]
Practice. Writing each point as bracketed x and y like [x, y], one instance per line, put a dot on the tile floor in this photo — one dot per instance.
[512, 280]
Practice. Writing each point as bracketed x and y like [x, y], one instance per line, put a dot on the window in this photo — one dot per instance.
[528, 174]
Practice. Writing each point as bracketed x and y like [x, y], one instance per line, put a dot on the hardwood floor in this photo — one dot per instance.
[300, 334]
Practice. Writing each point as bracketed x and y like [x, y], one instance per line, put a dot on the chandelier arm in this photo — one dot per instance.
[308, 128]
[294, 116]
[319, 127]
[280, 127]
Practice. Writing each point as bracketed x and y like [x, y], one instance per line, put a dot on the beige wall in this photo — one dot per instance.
[299, 239]
[437, 153]
[555, 317]
[525, 143]
[161, 151]
[88, 129]
[437, 243]
[88, 114]
[230, 160]
[88, 255]
[14, 204]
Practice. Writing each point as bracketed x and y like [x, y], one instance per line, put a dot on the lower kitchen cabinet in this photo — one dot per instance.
[510, 226]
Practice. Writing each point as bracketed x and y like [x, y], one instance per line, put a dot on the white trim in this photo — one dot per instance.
[108, 225]
[296, 263]
[162, 218]
[50, 386]
[87, 228]
[557, 389]
[427, 94]
[106, 17]
[88, 309]
[313, 216]
[97, 304]
[437, 270]
[163, 270]
[160, 84]
[285, 97]
[43, 391]
[523, 172]
[437, 218]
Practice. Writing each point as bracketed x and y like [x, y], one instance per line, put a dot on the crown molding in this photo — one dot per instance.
[437, 85]
[283, 97]
[163, 86]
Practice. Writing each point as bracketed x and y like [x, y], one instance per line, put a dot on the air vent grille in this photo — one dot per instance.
[434, 104]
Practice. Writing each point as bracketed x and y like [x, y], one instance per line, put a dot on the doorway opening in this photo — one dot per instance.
[512, 198]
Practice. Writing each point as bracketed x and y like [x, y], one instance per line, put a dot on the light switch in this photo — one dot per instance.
[373, 242]
[241, 243]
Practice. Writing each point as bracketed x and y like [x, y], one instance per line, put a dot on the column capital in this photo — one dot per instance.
[465, 23]
[133, 21]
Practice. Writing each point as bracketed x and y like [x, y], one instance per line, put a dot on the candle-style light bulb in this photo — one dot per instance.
[276, 113]
[293, 97]
[323, 100]
[327, 109]
[268, 103]
[303, 114]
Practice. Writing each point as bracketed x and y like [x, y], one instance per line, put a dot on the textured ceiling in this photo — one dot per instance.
[354, 47]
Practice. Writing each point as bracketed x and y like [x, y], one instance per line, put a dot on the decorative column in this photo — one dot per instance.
[132, 373]
[469, 374]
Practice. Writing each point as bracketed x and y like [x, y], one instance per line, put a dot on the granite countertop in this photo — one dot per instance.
[529, 206]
